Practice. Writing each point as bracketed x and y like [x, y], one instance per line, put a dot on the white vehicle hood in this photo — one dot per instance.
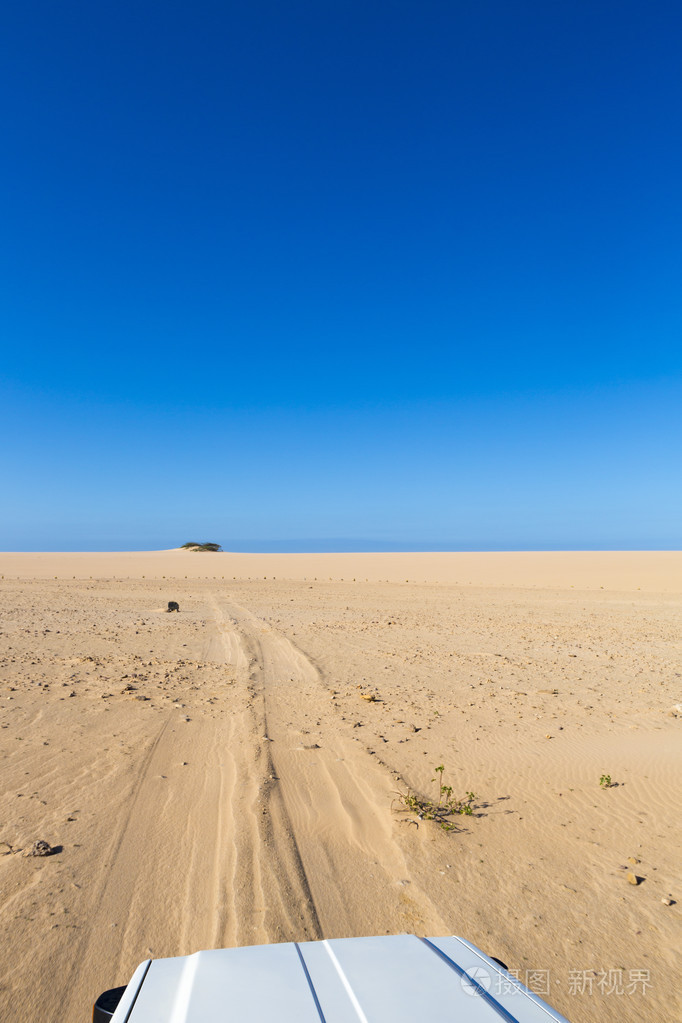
[392, 979]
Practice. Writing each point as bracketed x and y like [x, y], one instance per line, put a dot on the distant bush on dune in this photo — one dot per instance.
[205, 546]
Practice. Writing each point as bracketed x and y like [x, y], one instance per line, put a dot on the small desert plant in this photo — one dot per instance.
[441, 809]
[605, 781]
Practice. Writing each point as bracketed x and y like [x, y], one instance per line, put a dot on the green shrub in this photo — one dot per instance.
[441, 809]
[205, 546]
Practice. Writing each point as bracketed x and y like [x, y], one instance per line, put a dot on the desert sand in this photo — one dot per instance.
[229, 774]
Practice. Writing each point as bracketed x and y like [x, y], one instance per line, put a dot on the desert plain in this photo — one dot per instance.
[231, 774]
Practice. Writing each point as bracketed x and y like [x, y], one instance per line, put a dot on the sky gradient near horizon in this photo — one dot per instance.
[385, 275]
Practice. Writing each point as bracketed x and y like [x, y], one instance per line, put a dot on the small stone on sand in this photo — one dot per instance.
[40, 848]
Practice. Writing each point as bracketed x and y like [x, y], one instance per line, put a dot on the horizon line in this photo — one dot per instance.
[360, 547]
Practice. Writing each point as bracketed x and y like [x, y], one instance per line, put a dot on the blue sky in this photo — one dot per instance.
[358, 274]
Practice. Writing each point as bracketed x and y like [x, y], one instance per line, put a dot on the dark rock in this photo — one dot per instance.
[40, 848]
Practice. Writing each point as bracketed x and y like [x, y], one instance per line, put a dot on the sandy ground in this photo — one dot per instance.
[215, 777]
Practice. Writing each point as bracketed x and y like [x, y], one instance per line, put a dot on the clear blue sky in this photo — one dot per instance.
[354, 273]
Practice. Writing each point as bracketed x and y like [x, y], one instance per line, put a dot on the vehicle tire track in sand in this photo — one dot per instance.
[331, 798]
[185, 867]
[272, 845]
[97, 936]
[267, 866]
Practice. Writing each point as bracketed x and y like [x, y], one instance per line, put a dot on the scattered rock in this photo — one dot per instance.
[173, 606]
[633, 878]
[370, 697]
[40, 848]
[676, 711]
[668, 902]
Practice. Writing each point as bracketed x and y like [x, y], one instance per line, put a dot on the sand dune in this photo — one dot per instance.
[214, 777]
[649, 571]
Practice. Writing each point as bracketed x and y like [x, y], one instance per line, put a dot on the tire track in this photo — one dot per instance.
[267, 845]
[89, 946]
[330, 798]
[182, 869]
